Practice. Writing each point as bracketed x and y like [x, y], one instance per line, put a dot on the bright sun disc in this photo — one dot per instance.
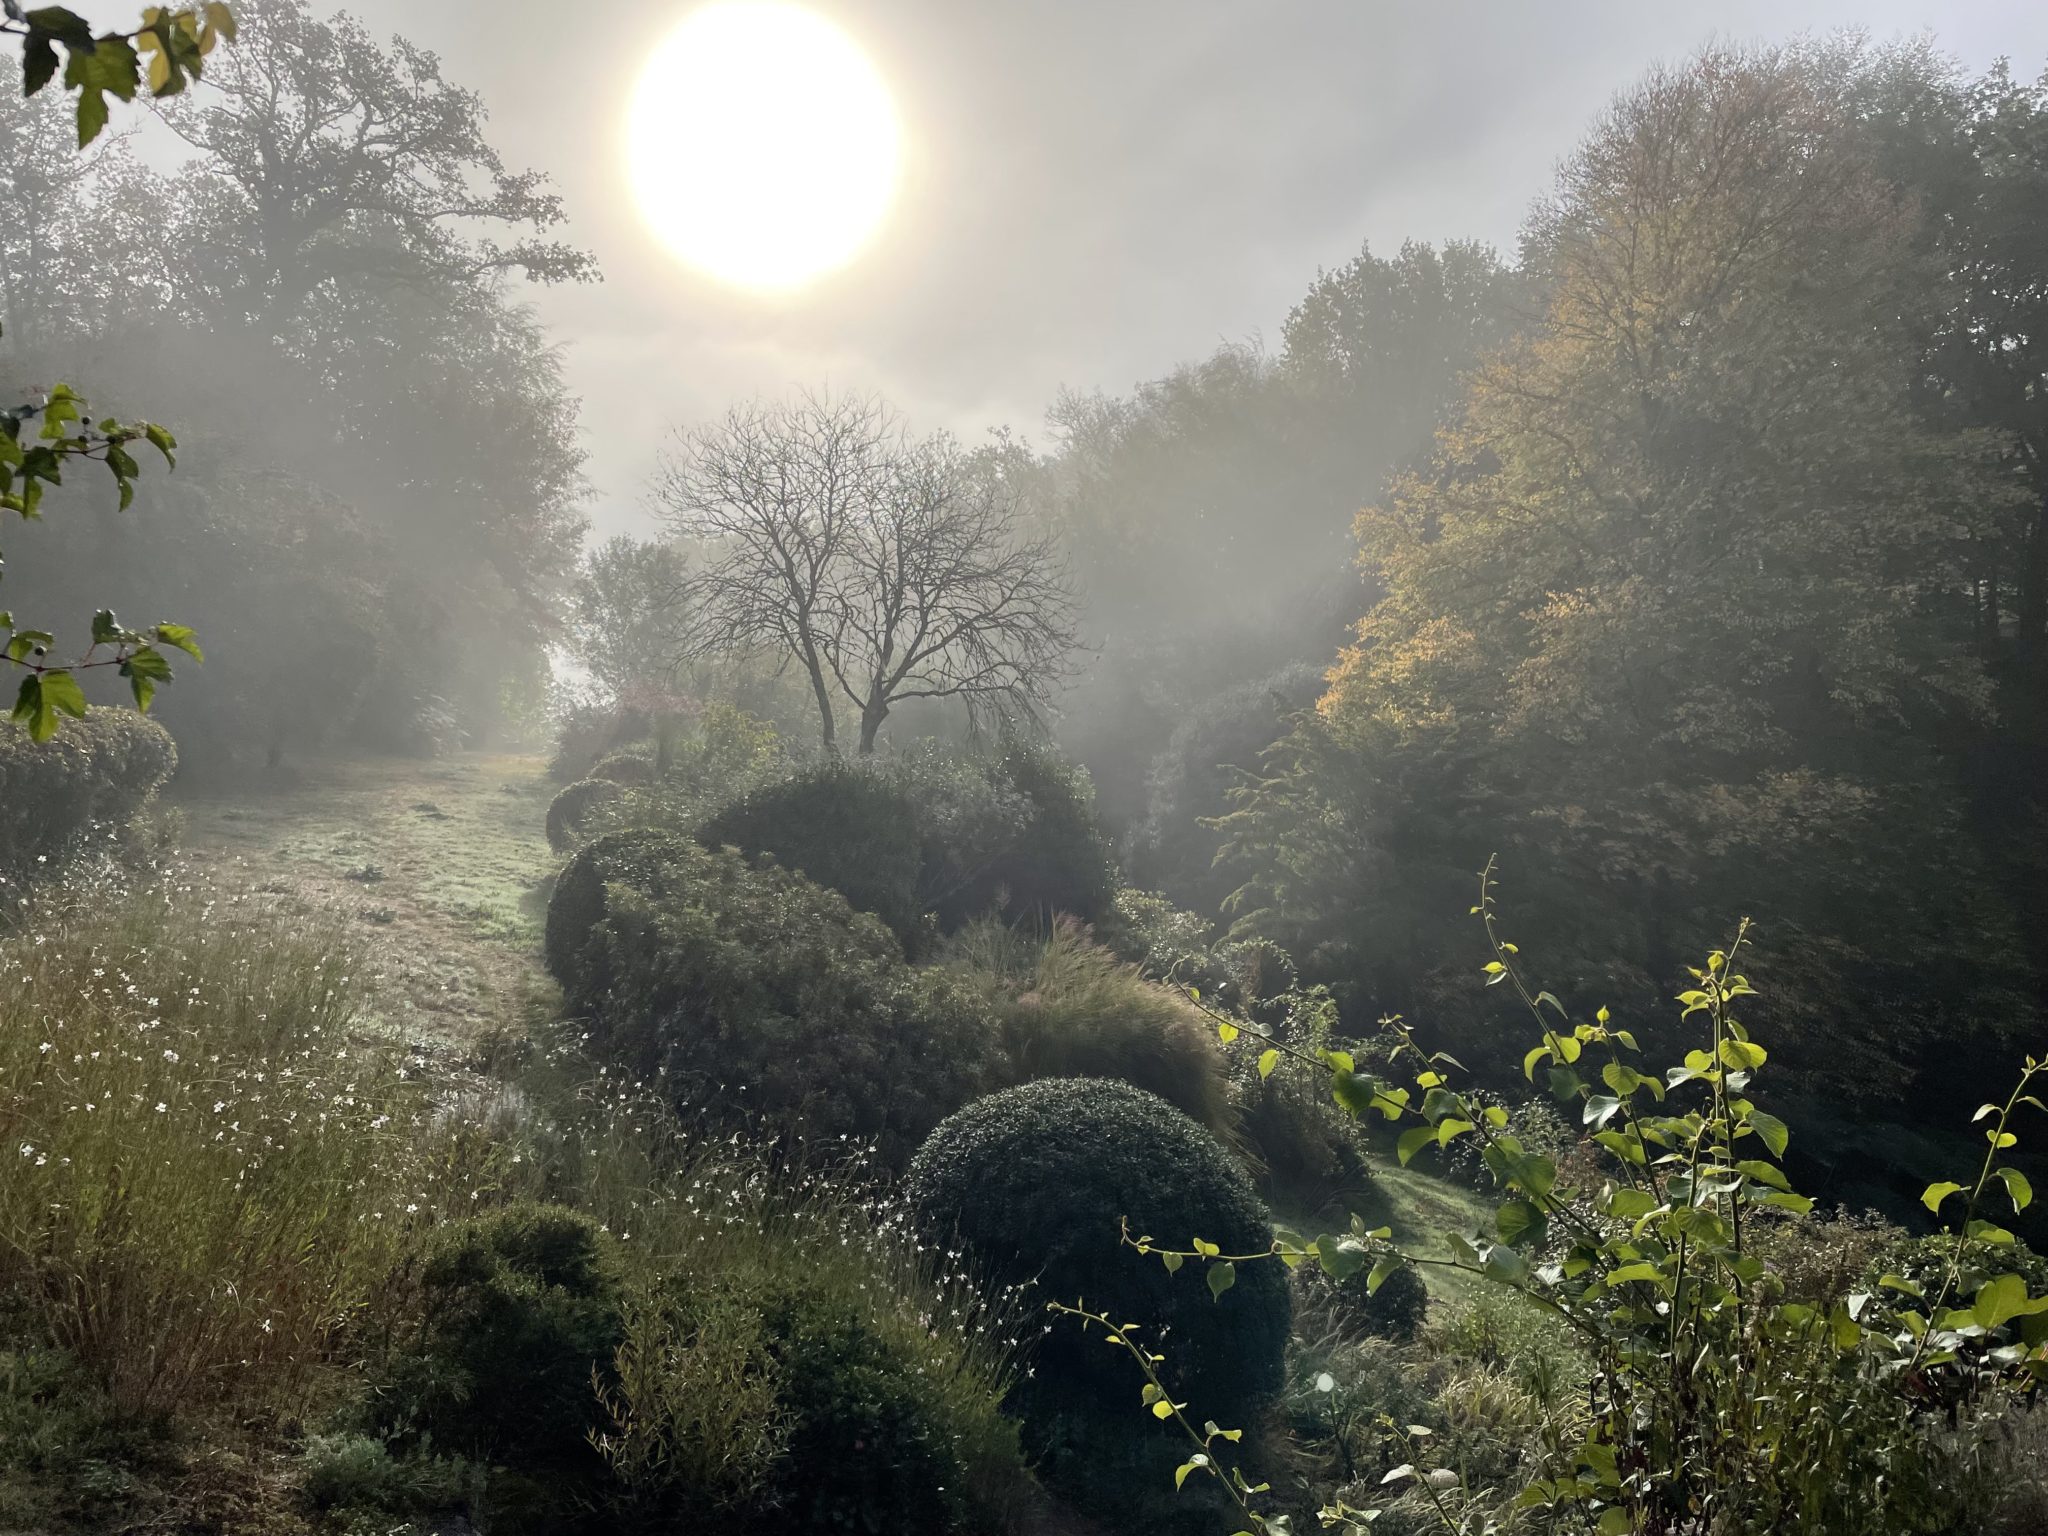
[763, 145]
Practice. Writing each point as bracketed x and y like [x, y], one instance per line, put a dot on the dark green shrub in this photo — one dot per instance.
[647, 860]
[352, 1471]
[873, 1446]
[592, 732]
[1308, 1152]
[755, 991]
[841, 826]
[101, 771]
[1190, 781]
[1356, 1311]
[518, 1325]
[633, 768]
[581, 808]
[936, 834]
[1056, 863]
[1036, 1180]
[1070, 1008]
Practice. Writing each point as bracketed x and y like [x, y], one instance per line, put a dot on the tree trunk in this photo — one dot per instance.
[827, 730]
[871, 720]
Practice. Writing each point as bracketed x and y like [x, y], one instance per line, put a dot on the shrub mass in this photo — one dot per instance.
[1037, 1180]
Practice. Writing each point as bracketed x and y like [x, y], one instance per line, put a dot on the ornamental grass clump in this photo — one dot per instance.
[207, 1172]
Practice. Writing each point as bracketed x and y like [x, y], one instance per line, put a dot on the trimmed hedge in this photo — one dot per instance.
[521, 1316]
[632, 768]
[844, 827]
[1058, 863]
[99, 771]
[1036, 1181]
[572, 811]
[648, 860]
[934, 837]
[754, 992]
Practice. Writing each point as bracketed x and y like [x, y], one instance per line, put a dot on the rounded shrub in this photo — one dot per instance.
[574, 812]
[101, 771]
[1051, 860]
[1395, 1311]
[632, 768]
[592, 732]
[839, 825]
[647, 860]
[1036, 1182]
[754, 991]
[520, 1320]
[875, 1443]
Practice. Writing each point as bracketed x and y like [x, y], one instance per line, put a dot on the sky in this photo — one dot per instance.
[1095, 190]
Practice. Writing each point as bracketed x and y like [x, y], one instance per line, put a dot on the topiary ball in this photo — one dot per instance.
[571, 812]
[840, 826]
[1056, 863]
[521, 1316]
[1395, 1311]
[1035, 1182]
[649, 861]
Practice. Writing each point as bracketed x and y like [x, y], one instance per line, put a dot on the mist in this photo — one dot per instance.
[739, 723]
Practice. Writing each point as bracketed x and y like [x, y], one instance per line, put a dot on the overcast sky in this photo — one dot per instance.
[1095, 189]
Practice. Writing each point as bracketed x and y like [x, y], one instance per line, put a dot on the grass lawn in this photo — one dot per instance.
[442, 865]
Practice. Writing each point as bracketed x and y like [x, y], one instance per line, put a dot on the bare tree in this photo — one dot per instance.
[887, 568]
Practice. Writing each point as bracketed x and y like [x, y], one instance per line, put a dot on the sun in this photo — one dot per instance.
[764, 147]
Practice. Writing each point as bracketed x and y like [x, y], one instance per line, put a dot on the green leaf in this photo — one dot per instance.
[38, 64]
[1354, 1094]
[1772, 1130]
[1380, 1273]
[1221, 1278]
[2017, 1186]
[144, 670]
[1412, 1142]
[1643, 1271]
[179, 637]
[1268, 1060]
[1934, 1194]
[1999, 1301]
[1193, 1464]
[163, 443]
[1765, 1173]
[1518, 1220]
[1629, 1204]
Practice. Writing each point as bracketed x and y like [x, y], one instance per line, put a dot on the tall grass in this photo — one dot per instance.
[1070, 1008]
[206, 1172]
[712, 1228]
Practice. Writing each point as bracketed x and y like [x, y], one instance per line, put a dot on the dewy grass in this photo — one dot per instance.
[205, 1176]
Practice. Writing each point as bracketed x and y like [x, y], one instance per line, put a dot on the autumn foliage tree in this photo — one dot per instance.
[1678, 615]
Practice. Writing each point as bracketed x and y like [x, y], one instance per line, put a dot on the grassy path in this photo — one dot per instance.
[439, 866]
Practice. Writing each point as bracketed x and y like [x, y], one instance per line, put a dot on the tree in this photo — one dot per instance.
[623, 619]
[1210, 510]
[1680, 612]
[167, 51]
[887, 568]
[335, 161]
